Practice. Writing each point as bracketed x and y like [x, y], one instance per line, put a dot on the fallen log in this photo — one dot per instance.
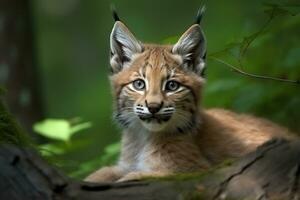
[271, 172]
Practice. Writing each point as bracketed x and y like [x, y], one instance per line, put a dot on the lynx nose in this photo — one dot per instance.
[154, 107]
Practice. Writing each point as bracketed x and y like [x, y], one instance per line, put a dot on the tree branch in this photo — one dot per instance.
[271, 172]
[237, 70]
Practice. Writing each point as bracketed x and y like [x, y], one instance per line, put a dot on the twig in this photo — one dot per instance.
[235, 69]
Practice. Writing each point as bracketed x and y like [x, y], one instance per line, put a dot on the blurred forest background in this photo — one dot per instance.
[54, 66]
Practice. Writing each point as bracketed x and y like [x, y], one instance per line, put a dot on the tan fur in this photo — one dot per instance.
[193, 139]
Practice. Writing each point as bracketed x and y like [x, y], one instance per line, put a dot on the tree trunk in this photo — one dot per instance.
[18, 71]
[271, 172]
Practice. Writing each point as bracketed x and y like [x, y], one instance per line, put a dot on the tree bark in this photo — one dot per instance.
[271, 172]
[18, 72]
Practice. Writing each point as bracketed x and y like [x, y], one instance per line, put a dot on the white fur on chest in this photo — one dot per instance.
[141, 164]
[136, 150]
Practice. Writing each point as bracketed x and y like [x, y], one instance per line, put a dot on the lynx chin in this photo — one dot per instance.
[157, 99]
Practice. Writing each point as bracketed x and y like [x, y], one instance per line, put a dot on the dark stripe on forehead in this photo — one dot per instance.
[144, 69]
[168, 75]
[156, 57]
[150, 65]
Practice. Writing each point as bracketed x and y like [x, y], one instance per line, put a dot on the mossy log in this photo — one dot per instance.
[271, 172]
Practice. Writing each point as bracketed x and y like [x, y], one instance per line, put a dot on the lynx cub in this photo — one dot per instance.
[157, 97]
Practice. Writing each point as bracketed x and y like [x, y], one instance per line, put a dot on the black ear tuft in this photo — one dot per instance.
[114, 12]
[200, 14]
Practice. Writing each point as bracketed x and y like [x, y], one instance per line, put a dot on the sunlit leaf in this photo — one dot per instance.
[54, 129]
[80, 127]
[59, 129]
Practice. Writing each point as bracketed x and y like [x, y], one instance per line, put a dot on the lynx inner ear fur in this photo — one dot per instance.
[191, 46]
[123, 46]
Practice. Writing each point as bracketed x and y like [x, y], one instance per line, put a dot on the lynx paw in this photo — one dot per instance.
[133, 176]
[105, 174]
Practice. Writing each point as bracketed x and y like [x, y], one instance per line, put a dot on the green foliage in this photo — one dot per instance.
[273, 51]
[59, 129]
[108, 157]
[59, 133]
[60, 138]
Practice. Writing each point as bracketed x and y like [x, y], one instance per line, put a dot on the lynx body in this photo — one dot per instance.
[157, 103]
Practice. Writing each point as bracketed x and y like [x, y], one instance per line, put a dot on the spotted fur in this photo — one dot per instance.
[157, 103]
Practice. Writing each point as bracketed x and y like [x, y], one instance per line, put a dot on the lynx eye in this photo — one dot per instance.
[139, 84]
[172, 86]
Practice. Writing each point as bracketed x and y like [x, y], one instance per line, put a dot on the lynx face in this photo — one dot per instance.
[157, 86]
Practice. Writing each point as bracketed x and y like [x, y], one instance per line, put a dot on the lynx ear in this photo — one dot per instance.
[123, 45]
[191, 46]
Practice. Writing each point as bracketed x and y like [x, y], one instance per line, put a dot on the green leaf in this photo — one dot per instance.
[113, 148]
[79, 127]
[59, 129]
[51, 149]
